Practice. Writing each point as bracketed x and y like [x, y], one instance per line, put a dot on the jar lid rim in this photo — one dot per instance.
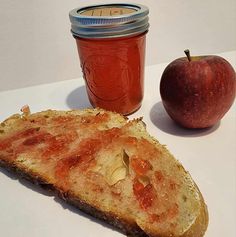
[133, 21]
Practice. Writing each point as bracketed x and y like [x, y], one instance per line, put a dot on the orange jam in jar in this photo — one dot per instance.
[111, 45]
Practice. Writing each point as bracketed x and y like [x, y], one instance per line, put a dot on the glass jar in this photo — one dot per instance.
[111, 40]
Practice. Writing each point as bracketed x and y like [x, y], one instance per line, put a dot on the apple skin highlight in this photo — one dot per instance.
[197, 92]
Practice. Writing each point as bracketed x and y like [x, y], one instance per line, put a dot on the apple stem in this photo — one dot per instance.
[187, 52]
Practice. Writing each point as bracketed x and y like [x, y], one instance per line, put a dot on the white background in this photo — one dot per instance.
[36, 46]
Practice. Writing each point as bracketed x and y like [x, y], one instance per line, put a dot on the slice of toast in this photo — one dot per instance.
[106, 166]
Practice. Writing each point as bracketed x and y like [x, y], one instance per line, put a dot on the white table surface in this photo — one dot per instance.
[209, 155]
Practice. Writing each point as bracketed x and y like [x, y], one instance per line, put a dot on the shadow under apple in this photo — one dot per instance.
[161, 119]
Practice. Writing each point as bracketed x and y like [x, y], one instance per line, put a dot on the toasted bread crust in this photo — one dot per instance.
[126, 224]
[199, 227]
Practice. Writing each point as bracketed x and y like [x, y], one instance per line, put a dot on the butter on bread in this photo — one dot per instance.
[107, 166]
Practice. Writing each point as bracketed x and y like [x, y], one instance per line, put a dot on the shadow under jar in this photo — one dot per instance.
[111, 42]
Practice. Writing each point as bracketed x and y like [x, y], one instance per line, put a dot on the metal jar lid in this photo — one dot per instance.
[109, 20]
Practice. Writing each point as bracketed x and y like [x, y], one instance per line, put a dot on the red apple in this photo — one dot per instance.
[197, 91]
